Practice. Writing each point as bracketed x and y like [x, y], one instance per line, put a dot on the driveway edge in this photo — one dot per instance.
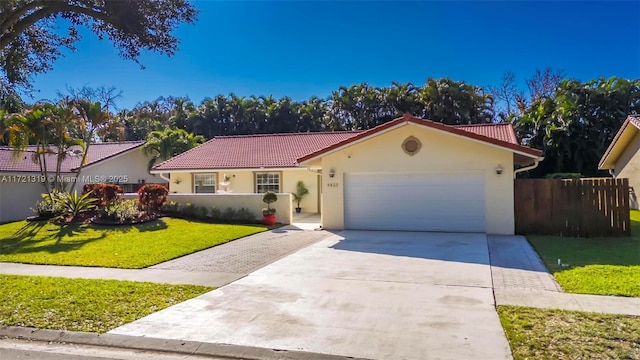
[164, 345]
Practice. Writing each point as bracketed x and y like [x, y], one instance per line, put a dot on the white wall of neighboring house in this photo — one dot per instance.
[17, 197]
[19, 192]
[127, 168]
[628, 166]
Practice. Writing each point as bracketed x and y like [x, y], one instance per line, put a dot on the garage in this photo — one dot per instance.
[447, 202]
[418, 175]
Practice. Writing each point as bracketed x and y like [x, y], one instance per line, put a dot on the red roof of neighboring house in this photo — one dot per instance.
[497, 134]
[97, 152]
[253, 151]
[501, 131]
[617, 146]
[285, 150]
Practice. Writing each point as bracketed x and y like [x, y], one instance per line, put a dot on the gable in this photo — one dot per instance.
[624, 137]
[472, 133]
[437, 151]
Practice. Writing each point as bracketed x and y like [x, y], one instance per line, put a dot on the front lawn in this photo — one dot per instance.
[84, 305]
[601, 266]
[556, 334]
[130, 246]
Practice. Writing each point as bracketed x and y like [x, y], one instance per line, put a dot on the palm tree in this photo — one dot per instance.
[31, 127]
[161, 145]
[95, 123]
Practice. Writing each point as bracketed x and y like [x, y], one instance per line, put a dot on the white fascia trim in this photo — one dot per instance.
[228, 170]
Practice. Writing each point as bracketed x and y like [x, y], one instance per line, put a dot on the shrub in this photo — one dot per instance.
[152, 197]
[104, 193]
[244, 215]
[216, 214]
[202, 212]
[229, 215]
[121, 211]
[170, 207]
[188, 210]
[49, 206]
[74, 204]
[268, 198]
[563, 176]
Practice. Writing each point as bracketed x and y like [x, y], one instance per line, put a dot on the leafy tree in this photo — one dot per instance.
[162, 145]
[30, 40]
[576, 123]
[455, 103]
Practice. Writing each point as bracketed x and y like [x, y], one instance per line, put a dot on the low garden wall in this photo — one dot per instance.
[253, 202]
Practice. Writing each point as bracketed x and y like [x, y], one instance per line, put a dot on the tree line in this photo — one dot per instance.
[573, 122]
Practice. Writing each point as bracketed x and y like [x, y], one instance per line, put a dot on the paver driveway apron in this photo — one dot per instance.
[379, 295]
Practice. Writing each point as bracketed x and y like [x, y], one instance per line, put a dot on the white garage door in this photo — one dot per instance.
[415, 202]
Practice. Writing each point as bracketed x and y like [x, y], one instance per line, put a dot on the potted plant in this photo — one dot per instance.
[301, 192]
[269, 214]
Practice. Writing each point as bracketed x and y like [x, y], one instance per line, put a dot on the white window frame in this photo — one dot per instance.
[272, 180]
[209, 181]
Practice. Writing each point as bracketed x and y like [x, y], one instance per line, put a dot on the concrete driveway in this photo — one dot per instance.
[376, 295]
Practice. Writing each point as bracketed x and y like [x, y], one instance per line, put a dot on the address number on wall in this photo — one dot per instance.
[332, 184]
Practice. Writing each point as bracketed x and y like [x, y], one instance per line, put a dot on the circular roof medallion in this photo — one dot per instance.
[411, 145]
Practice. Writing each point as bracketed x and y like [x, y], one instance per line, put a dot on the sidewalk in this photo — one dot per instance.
[578, 302]
[216, 266]
[521, 279]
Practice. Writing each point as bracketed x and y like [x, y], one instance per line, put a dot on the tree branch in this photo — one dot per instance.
[15, 15]
[46, 11]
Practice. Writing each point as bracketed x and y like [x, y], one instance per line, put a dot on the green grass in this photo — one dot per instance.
[84, 305]
[131, 246]
[556, 334]
[600, 266]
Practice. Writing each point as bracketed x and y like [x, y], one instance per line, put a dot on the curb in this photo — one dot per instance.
[163, 345]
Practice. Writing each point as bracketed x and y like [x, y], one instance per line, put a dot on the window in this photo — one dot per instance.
[204, 183]
[267, 182]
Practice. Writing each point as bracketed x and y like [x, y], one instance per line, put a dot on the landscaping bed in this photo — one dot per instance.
[600, 266]
[84, 305]
[126, 246]
[556, 334]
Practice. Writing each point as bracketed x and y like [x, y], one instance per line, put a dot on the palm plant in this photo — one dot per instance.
[74, 204]
[301, 192]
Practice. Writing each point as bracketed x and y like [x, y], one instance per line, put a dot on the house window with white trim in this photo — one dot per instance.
[269, 181]
[204, 183]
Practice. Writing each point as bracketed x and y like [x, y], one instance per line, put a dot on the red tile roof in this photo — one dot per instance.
[501, 131]
[253, 151]
[248, 151]
[97, 152]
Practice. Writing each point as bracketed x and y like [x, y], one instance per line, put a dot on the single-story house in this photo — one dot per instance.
[21, 179]
[622, 157]
[408, 174]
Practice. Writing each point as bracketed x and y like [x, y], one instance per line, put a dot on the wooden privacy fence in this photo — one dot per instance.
[579, 207]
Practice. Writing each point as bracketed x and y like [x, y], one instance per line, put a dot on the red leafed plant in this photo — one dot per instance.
[104, 193]
[151, 197]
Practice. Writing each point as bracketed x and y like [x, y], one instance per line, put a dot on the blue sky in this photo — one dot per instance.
[303, 48]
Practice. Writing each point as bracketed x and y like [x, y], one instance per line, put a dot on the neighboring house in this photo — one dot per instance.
[21, 183]
[622, 158]
[408, 174]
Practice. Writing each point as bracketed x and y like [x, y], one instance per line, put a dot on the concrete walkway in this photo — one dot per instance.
[520, 278]
[369, 294]
[217, 266]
